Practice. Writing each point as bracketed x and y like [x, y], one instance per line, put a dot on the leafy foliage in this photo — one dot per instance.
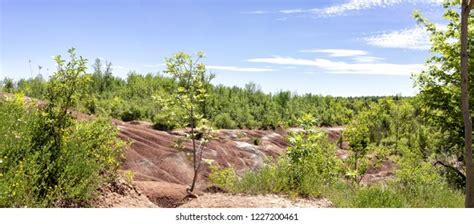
[193, 83]
[310, 164]
[439, 83]
[150, 97]
[50, 159]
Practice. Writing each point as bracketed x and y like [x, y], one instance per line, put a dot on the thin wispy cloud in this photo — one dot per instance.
[292, 11]
[340, 67]
[356, 5]
[238, 69]
[414, 38]
[367, 59]
[256, 12]
[349, 6]
[337, 52]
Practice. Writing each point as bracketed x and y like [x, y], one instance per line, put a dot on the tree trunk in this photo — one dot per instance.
[466, 114]
[193, 139]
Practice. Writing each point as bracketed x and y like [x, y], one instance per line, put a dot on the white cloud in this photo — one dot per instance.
[415, 38]
[338, 67]
[355, 5]
[238, 69]
[367, 59]
[256, 12]
[291, 11]
[337, 52]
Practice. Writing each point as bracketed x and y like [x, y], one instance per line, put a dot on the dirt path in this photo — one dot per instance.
[221, 200]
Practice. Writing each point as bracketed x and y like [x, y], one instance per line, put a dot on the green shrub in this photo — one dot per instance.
[88, 158]
[309, 165]
[7, 85]
[169, 116]
[272, 178]
[422, 186]
[132, 113]
[224, 178]
[312, 157]
[224, 121]
[15, 154]
[164, 123]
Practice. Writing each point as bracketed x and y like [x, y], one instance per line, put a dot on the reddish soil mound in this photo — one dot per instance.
[163, 167]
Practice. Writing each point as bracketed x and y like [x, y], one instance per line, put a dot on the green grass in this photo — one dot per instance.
[399, 193]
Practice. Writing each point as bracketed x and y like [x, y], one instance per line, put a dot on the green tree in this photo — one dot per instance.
[192, 92]
[62, 91]
[311, 156]
[449, 106]
[357, 133]
[8, 85]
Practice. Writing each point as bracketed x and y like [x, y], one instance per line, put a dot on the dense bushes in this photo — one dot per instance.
[49, 159]
[147, 97]
[419, 186]
[274, 177]
[309, 166]
[88, 158]
[312, 158]
[311, 169]
[224, 121]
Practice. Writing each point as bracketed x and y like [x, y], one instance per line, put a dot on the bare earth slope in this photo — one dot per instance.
[163, 171]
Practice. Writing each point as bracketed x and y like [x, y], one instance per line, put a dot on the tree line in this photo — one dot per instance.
[149, 97]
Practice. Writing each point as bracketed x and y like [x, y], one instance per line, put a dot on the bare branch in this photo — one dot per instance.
[452, 168]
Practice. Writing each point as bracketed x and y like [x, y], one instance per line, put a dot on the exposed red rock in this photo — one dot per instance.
[162, 170]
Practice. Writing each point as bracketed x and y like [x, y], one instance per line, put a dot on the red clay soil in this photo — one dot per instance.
[163, 171]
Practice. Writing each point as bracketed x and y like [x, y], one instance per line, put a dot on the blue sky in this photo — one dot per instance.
[337, 47]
